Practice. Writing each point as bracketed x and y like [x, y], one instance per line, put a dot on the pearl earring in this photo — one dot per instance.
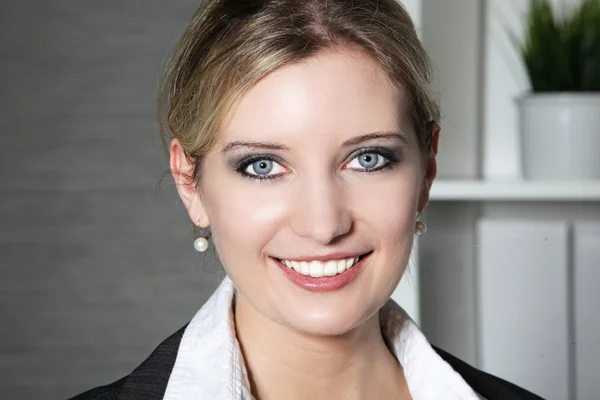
[420, 228]
[201, 243]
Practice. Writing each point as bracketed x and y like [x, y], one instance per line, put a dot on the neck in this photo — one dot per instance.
[283, 363]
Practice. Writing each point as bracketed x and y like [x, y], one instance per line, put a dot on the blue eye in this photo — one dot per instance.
[262, 168]
[368, 161]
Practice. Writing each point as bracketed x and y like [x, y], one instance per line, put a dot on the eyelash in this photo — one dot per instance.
[391, 157]
[243, 164]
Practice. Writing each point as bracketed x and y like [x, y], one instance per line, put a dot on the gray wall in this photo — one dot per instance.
[96, 259]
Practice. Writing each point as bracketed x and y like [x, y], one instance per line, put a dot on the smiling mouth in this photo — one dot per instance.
[318, 269]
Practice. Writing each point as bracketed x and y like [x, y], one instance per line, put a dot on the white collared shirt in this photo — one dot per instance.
[209, 362]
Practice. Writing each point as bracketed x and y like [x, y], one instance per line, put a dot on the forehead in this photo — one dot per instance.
[335, 94]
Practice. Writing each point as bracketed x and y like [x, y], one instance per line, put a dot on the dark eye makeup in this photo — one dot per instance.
[241, 165]
[391, 157]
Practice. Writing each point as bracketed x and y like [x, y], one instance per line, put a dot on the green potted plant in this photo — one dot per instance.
[560, 117]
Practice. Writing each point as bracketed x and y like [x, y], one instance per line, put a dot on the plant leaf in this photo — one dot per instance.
[563, 55]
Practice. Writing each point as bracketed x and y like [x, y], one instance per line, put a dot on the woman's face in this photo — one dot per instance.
[316, 172]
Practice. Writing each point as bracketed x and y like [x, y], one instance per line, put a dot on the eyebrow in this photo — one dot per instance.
[255, 145]
[350, 142]
[373, 136]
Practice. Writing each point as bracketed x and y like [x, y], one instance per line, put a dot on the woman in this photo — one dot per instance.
[303, 135]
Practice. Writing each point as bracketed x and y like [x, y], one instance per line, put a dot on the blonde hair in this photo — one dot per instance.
[230, 45]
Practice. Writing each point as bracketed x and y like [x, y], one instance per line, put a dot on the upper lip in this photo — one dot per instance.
[326, 257]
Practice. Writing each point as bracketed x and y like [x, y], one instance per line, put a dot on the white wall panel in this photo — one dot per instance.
[523, 304]
[505, 78]
[447, 278]
[452, 38]
[587, 309]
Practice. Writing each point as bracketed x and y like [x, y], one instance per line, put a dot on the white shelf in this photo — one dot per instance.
[447, 190]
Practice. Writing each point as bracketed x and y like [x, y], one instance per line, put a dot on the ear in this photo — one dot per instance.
[182, 171]
[430, 168]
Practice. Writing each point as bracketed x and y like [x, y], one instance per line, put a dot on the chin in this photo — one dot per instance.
[324, 328]
[328, 320]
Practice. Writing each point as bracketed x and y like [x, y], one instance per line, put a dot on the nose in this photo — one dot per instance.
[319, 212]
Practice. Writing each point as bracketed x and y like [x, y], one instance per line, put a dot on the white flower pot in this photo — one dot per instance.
[560, 135]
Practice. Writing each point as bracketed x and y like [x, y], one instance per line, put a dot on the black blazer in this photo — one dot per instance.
[149, 380]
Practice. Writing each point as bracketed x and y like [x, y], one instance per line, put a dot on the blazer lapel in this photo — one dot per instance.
[149, 380]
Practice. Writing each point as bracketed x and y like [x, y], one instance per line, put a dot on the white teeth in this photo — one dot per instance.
[319, 269]
[305, 268]
[330, 268]
[341, 266]
[316, 269]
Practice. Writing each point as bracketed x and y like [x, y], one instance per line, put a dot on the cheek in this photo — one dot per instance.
[390, 219]
[244, 216]
[389, 207]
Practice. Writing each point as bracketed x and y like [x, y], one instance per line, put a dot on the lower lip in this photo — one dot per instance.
[325, 283]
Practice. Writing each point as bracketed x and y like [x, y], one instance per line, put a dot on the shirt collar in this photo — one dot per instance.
[209, 363]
